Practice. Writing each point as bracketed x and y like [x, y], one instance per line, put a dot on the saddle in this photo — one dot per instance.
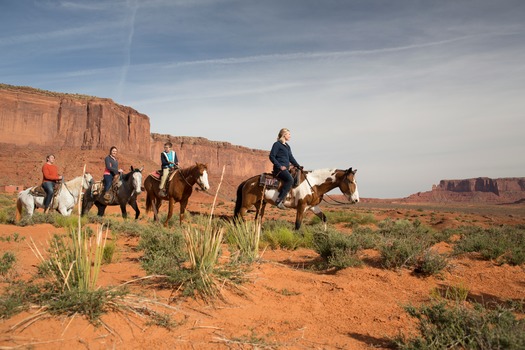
[97, 189]
[38, 191]
[270, 181]
[157, 174]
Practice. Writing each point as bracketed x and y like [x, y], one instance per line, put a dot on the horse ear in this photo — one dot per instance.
[131, 167]
[141, 168]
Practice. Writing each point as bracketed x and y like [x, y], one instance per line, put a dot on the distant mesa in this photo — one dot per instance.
[509, 190]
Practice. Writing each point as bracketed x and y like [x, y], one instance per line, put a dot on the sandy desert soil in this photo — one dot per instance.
[286, 305]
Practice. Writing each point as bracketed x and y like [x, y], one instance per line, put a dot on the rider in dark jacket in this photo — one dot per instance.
[281, 156]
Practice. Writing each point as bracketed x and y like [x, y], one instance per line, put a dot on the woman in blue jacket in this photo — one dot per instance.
[281, 156]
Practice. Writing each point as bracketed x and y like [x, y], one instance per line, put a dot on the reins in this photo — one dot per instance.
[183, 177]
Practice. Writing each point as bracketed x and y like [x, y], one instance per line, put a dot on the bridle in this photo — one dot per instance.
[198, 181]
[348, 182]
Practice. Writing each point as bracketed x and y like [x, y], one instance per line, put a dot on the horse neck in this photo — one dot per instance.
[73, 187]
[188, 176]
[326, 186]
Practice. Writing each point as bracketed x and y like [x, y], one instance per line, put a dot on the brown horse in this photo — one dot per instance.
[180, 187]
[307, 195]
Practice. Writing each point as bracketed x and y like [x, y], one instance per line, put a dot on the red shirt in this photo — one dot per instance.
[50, 172]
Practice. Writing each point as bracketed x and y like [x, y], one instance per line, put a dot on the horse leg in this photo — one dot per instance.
[156, 207]
[318, 212]
[124, 211]
[135, 207]
[261, 213]
[299, 215]
[101, 209]
[87, 202]
[183, 205]
[170, 211]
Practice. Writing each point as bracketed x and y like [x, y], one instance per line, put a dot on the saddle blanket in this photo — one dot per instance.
[156, 174]
[269, 181]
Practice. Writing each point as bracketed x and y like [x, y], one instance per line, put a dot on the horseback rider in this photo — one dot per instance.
[169, 161]
[111, 171]
[281, 156]
[50, 178]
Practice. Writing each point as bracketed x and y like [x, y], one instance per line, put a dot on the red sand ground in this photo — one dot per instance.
[285, 305]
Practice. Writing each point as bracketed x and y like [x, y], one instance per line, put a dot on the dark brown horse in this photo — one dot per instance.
[180, 187]
[127, 194]
[307, 195]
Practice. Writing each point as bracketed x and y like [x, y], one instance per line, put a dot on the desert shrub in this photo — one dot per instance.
[37, 218]
[337, 249]
[243, 239]
[430, 263]
[456, 293]
[14, 299]
[7, 262]
[404, 242]
[164, 251]
[367, 237]
[109, 252]
[461, 327]
[351, 219]
[281, 234]
[504, 244]
[129, 228]
[282, 237]
[68, 221]
[7, 208]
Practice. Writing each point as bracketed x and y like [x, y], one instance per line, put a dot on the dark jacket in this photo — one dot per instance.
[111, 165]
[281, 154]
[165, 162]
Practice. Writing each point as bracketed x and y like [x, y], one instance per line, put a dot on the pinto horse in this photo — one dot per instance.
[64, 202]
[180, 188]
[307, 195]
[127, 194]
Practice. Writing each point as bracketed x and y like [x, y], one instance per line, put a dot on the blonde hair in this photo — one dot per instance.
[280, 137]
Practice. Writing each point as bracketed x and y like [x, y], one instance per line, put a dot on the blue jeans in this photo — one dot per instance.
[108, 180]
[287, 179]
[48, 188]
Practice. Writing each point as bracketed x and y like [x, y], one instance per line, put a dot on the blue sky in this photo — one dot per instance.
[409, 92]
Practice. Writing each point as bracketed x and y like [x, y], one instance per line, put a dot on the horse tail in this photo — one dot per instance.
[18, 213]
[149, 201]
[238, 201]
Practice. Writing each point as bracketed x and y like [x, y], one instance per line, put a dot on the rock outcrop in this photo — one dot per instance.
[36, 117]
[481, 189]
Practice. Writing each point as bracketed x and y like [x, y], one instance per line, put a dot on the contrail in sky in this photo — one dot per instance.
[134, 7]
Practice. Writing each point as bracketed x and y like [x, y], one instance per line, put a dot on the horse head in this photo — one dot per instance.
[87, 181]
[137, 179]
[348, 186]
[202, 176]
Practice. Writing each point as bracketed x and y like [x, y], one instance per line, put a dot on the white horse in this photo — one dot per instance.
[64, 202]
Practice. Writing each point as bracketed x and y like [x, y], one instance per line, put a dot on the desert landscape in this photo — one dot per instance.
[285, 304]
[286, 300]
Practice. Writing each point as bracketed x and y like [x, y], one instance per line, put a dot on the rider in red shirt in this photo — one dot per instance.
[50, 177]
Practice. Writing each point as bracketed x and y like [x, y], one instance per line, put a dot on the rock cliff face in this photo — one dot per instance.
[481, 189]
[80, 130]
[35, 117]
